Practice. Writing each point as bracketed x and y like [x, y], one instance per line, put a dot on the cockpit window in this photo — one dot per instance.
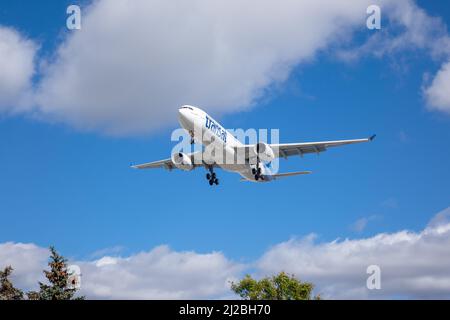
[187, 108]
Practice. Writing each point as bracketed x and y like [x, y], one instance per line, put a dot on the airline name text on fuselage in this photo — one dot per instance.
[216, 129]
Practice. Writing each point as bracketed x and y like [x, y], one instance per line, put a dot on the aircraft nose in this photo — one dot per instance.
[185, 117]
[183, 113]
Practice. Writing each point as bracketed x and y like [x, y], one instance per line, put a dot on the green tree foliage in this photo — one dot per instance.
[7, 290]
[58, 288]
[279, 287]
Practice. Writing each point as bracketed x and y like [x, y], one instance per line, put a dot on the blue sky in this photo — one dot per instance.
[74, 189]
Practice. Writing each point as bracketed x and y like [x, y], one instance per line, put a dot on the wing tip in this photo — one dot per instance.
[372, 137]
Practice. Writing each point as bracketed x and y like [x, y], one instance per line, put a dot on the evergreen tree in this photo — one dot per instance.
[7, 290]
[33, 295]
[58, 288]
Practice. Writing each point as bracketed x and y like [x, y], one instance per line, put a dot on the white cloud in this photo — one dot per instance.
[361, 224]
[413, 264]
[438, 93]
[134, 62]
[28, 261]
[159, 274]
[411, 28]
[406, 26]
[16, 69]
[440, 219]
[152, 56]
[115, 250]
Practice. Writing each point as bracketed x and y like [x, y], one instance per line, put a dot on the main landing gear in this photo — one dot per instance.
[211, 177]
[257, 172]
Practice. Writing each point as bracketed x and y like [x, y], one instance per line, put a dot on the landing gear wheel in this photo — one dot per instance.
[211, 176]
[259, 171]
[253, 171]
[256, 177]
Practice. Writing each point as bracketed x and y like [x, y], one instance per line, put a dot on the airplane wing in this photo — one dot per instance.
[281, 150]
[168, 164]
[289, 149]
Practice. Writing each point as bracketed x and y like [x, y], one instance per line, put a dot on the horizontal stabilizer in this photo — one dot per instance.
[282, 175]
[288, 174]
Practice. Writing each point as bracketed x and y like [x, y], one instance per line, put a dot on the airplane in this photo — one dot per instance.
[255, 158]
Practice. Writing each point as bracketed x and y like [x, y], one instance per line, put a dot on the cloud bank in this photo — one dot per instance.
[159, 274]
[135, 61]
[413, 265]
[16, 69]
[27, 259]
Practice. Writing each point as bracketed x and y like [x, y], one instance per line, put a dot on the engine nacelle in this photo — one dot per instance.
[182, 161]
[264, 152]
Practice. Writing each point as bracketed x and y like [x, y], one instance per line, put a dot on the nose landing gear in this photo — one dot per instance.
[211, 177]
[191, 133]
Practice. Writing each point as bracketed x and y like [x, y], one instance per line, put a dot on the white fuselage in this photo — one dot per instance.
[192, 118]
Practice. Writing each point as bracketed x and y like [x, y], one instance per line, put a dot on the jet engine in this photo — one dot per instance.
[182, 161]
[264, 152]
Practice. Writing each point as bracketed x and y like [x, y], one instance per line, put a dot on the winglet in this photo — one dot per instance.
[372, 137]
